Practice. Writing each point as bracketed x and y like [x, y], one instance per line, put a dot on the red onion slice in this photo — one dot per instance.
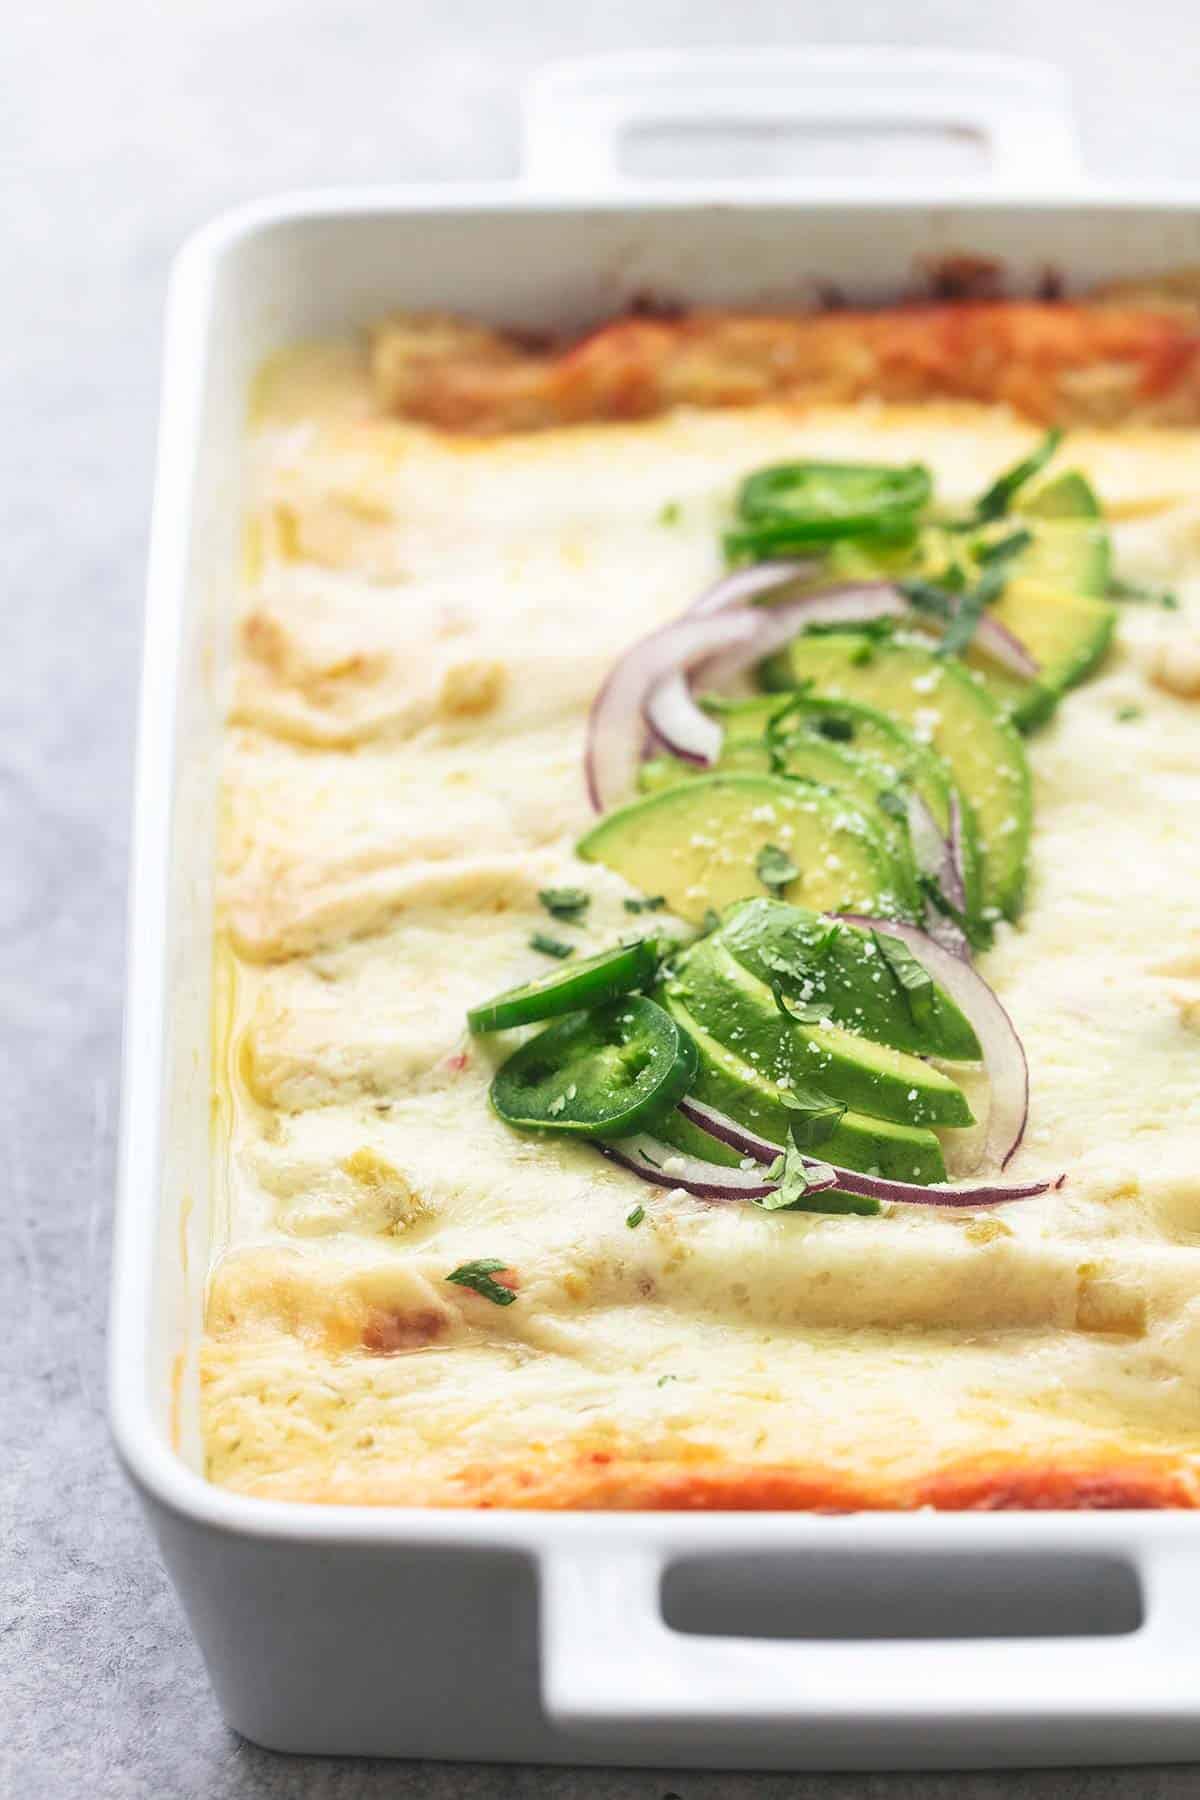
[1004, 647]
[952, 881]
[670, 1168]
[727, 1131]
[723, 635]
[998, 642]
[758, 578]
[851, 1181]
[779, 624]
[856, 606]
[747, 583]
[907, 1193]
[957, 851]
[945, 933]
[1003, 1053]
[616, 725]
[679, 725]
[671, 713]
[934, 854]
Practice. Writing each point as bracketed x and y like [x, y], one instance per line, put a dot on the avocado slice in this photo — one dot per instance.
[665, 771]
[735, 1087]
[682, 1135]
[1072, 555]
[806, 758]
[1068, 635]
[951, 709]
[699, 844]
[737, 1009]
[1055, 600]
[1071, 549]
[867, 787]
[870, 733]
[847, 725]
[726, 1080]
[1067, 496]
[845, 972]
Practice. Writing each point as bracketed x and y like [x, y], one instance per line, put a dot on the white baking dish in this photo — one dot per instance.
[960, 1639]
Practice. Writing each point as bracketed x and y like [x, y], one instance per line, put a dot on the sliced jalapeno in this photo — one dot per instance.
[602, 1074]
[814, 502]
[567, 989]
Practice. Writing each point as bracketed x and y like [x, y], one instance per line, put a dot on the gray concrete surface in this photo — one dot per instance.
[122, 125]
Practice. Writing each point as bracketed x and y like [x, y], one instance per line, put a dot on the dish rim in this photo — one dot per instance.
[154, 1465]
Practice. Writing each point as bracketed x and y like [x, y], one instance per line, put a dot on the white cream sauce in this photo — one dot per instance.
[423, 625]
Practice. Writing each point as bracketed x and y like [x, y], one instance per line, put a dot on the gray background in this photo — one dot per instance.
[124, 125]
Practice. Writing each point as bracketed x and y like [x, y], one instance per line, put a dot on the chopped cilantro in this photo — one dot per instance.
[793, 956]
[1128, 713]
[871, 630]
[565, 902]
[1002, 548]
[550, 946]
[634, 1218]
[929, 597]
[959, 606]
[812, 943]
[724, 703]
[478, 1275]
[929, 887]
[838, 731]
[777, 738]
[671, 513]
[996, 500]
[651, 904]
[963, 625]
[1134, 592]
[804, 1012]
[814, 1116]
[795, 1192]
[911, 977]
[791, 1175]
[782, 728]
[978, 936]
[891, 801]
[792, 964]
[663, 1380]
[775, 868]
[788, 708]
[862, 654]
[821, 940]
[972, 605]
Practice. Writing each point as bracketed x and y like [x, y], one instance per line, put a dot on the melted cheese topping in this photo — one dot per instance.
[423, 625]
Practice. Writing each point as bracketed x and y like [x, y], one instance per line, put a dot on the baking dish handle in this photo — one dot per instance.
[578, 116]
[612, 1666]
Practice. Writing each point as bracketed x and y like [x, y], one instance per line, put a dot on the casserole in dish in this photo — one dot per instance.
[701, 1698]
[427, 621]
